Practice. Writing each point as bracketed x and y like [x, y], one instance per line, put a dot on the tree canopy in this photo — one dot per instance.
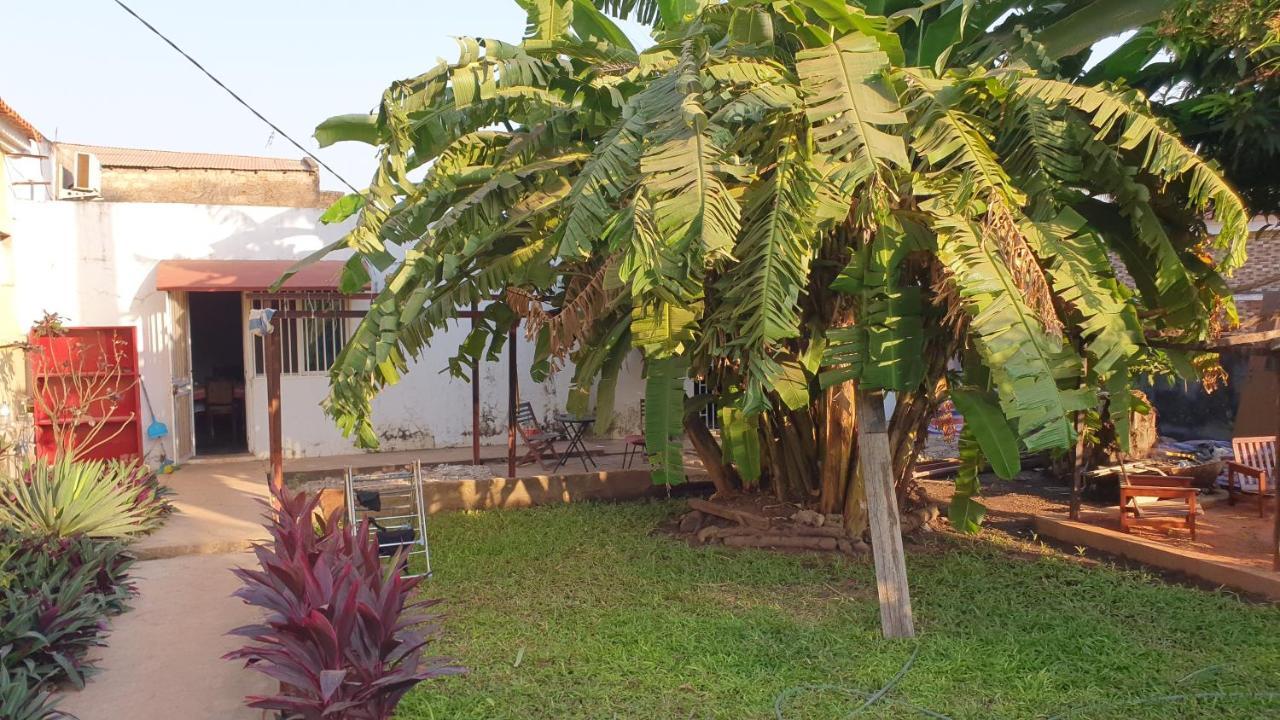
[793, 199]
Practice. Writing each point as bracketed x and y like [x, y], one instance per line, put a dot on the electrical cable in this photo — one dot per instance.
[233, 94]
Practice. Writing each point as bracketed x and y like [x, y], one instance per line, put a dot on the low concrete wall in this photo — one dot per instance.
[502, 492]
[1257, 582]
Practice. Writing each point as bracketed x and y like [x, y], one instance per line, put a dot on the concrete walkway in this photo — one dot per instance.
[219, 509]
[163, 657]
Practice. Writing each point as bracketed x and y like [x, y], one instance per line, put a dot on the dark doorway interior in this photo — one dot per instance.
[217, 369]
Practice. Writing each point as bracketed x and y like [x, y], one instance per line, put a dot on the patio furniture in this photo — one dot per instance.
[403, 527]
[220, 401]
[1144, 497]
[575, 428]
[1256, 461]
[634, 443]
[541, 442]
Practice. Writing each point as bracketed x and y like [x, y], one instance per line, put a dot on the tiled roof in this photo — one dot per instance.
[12, 116]
[137, 158]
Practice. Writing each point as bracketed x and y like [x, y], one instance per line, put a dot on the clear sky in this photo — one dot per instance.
[85, 71]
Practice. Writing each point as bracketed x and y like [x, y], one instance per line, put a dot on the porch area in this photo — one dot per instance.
[1233, 545]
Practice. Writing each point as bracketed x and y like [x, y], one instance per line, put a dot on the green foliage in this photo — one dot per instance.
[52, 612]
[664, 418]
[789, 195]
[93, 498]
[1213, 69]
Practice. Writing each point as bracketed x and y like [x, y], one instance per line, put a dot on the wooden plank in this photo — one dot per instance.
[513, 400]
[741, 517]
[275, 433]
[876, 463]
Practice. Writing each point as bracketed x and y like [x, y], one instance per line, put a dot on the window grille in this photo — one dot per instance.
[307, 345]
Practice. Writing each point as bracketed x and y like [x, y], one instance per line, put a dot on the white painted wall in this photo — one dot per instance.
[95, 263]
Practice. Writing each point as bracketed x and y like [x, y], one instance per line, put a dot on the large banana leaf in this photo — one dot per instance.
[664, 419]
[846, 103]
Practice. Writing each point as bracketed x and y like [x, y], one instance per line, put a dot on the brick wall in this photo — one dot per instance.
[273, 188]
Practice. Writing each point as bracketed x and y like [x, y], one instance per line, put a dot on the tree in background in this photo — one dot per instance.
[1212, 67]
[797, 201]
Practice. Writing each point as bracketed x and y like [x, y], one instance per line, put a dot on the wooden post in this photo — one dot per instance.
[275, 435]
[1077, 467]
[876, 462]
[513, 392]
[1077, 457]
[1275, 530]
[475, 398]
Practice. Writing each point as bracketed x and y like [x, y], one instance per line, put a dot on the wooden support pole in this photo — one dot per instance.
[475, 398]
[876, 462]
[1275, 529]
[1077, 453]
[513, 397]
[275, 434]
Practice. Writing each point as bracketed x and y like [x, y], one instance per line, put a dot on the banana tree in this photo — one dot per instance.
[796, 201]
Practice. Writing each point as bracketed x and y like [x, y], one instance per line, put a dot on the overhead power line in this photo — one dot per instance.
[233, 94]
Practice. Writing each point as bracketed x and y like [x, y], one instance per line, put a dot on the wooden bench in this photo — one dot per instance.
[1170, 493]
[1255, 458]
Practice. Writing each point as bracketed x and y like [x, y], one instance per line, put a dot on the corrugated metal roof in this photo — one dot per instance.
[245, 275]
[8, 113]
[139, 158]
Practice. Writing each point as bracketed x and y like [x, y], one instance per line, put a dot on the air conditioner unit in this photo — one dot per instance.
[87, 174]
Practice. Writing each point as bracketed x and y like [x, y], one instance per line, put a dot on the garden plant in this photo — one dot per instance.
[797, 201]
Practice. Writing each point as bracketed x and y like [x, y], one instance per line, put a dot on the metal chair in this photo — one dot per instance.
[634, 444]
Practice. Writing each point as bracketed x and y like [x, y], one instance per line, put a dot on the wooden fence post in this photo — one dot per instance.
[876, 463]
[275, 439]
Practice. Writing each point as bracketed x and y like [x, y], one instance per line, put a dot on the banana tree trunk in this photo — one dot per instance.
[704, 443]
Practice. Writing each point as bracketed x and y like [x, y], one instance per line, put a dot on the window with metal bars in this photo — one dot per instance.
[307, 345]
[710, 413]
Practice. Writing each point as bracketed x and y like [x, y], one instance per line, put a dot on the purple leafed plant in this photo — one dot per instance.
[341, 633]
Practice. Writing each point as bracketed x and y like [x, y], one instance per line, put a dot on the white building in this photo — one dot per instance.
[176, 245]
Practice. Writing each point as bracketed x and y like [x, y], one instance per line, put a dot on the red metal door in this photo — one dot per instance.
[85, 392]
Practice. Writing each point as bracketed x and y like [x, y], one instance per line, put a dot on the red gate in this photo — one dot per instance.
[85, 392]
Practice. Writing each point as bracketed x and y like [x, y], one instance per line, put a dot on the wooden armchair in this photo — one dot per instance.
[1255, 459]
[1165, 496]
[541, 443]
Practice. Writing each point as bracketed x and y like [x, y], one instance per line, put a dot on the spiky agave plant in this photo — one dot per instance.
[95, 498]
[792, 199]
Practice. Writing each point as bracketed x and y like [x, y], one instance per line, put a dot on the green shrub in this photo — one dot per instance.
[52, 612]
[23, 700]
[69, 498]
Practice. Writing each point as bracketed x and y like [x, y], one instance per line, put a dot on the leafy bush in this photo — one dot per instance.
[340, 633]
[20, 700]
[52, 610]
[67, 498]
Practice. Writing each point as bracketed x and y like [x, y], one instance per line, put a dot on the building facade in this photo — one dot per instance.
[182, 246]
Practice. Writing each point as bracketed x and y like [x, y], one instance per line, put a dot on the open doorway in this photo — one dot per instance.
[217, 372]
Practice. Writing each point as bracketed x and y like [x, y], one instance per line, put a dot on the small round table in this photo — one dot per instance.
[574, 429]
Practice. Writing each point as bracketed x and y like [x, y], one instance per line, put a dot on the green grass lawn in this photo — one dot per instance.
[583, 612]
